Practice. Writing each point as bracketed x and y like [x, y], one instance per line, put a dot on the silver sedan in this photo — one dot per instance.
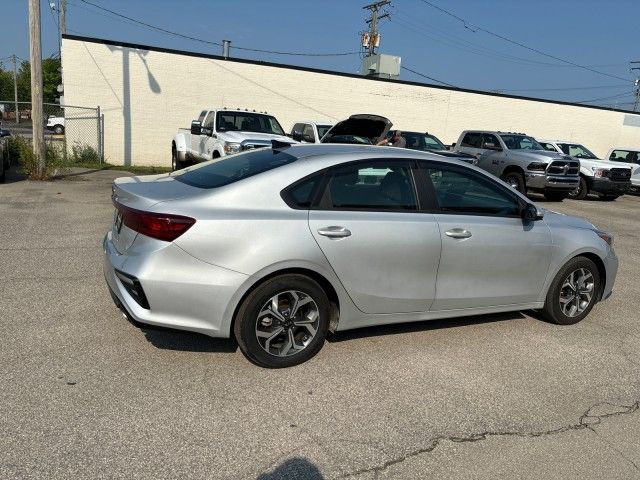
[279, 246]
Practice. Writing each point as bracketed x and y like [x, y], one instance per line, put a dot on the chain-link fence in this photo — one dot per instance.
[77, 131]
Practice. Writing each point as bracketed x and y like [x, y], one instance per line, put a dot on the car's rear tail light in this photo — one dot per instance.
[162, 226]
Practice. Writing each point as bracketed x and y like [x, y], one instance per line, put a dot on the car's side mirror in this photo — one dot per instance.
[491, 146]
[196, 127]
[308, 138]
[297, 136]
[530, 213]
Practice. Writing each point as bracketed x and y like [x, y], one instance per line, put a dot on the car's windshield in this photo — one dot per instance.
[218, 173]
[422, 141]
[520, 142]
[248, 122]
[576, 150]
[322, 129]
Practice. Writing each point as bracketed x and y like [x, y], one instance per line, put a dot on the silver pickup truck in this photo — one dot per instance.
[522, 162]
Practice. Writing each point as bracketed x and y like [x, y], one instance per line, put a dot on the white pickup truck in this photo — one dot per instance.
[220, 132]
[628, 156]
[606, 179]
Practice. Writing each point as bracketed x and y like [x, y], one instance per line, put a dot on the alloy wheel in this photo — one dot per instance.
[287, 323]
[576, 292]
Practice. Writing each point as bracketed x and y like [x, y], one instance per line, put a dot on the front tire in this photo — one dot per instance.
[555, 196]
[581, 192]
[283, 322]
[573, 292]
[515, 180]
[175, 163]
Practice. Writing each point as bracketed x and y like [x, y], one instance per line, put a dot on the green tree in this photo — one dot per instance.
[51, 78]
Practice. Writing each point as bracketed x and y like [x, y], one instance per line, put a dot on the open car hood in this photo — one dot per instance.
[371, 127]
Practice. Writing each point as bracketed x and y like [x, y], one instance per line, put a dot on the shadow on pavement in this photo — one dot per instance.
[13, 175]
[398, 328]
[293, 468]
[166, 339]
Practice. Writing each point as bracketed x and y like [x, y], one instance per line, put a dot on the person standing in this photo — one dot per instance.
[397, 140]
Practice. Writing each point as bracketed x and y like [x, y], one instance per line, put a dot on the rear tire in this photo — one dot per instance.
[516, 180]
[295, 333]
[555, 196]
[566, 302]
[581, 192]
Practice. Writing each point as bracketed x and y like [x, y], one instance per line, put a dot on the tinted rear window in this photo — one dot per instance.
[217, 173]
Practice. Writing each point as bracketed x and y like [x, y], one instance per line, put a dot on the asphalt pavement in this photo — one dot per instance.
[86, 394]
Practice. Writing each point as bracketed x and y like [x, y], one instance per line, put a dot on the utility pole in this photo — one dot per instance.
[14, 59]
[37, 118]
[63, 17]
[371, 39]
[636, 105]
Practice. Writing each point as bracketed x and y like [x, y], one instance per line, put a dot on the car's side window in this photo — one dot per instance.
[307, 134]
[462, 191]
[472, 139]
[300, 194]
[208, 123]
[372, 185]
[548, 146]
[491, 141]
[624, 156]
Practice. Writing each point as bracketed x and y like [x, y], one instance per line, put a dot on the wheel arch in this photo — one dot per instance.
[591, 255]
[320, 279]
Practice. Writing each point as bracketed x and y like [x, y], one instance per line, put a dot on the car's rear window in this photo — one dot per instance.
[218, 173]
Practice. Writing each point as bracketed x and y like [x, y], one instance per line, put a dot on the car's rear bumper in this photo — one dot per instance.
[182, 292]
[542, 181]
[609, 186]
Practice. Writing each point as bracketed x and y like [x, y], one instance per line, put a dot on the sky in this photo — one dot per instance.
[599, 34]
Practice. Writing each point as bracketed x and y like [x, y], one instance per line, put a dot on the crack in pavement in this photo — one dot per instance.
[586, 421]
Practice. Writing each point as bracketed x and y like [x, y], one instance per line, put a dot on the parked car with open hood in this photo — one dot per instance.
[520, 160]
[606, 179]
[359, 129]
[279, 245]
[220, 132]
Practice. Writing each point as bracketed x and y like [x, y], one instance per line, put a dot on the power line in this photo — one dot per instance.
[474, 28]
[154, 27]
[188, 37]
[565, 89]
[426, 76]
[620, 95]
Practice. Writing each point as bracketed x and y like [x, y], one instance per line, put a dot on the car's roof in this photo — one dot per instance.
[318, 151]
[496, 132]
[314, 122]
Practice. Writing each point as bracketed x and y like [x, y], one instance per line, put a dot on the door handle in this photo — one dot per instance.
[458, 233]
[334, 232]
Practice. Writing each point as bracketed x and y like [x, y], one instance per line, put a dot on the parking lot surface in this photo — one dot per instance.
[86, 394]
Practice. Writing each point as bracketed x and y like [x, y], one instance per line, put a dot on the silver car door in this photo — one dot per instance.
[383, 250]
[489, 256]
[488, 159]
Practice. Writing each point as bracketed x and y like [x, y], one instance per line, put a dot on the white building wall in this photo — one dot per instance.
[146, 95]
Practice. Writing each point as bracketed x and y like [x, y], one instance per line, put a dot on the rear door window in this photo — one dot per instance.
[382, 185]
[625, 156]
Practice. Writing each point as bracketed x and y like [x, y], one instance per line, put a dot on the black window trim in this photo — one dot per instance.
[429, 189]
